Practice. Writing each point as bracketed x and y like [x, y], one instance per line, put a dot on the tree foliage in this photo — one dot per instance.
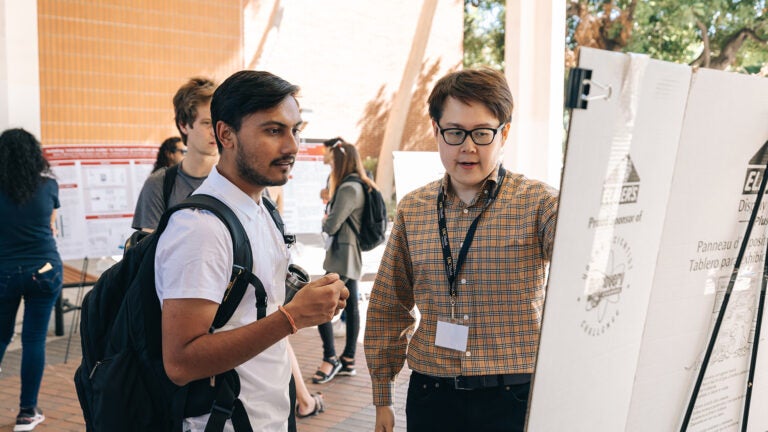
[484, 25]
[603, 24]
[719, 34]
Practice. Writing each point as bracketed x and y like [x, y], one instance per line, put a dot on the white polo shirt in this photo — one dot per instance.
[194, 260]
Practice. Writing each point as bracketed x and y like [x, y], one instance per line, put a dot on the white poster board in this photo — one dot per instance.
[303, 209]
[99, 187]
[414, 169]
[651, 198]
[98, 190]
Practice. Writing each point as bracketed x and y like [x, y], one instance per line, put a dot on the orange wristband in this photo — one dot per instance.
[294, 329]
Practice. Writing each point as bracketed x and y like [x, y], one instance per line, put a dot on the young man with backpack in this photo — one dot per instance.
[257, 121]
[167, 187]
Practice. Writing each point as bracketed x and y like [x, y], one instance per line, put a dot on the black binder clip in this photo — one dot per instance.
[579, 86]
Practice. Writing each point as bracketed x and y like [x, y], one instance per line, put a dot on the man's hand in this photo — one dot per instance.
[385, 418]
[318, 301]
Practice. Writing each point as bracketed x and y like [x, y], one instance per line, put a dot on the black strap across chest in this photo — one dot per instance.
[452, 270]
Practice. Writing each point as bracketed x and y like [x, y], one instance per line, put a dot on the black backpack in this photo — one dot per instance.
[121, 382]
[373, 224]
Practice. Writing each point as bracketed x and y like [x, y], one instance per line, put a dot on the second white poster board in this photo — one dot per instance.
[657, 185]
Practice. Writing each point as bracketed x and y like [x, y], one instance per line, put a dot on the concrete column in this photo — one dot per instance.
[19, 66]
[261, 23]
[534, 66]
[398, 114]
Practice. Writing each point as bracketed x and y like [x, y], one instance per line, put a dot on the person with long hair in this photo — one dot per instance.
[30, 265]
[170, 153]
[343, 220]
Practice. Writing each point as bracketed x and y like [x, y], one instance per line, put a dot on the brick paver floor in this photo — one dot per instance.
[347, 399]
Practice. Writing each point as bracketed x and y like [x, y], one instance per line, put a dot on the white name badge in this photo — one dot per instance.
[451, 335]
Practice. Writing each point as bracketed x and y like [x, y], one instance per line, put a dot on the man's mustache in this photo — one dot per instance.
[289, 159]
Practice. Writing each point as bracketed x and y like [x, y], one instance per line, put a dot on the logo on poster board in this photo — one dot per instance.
[755, 171]
[607, 275]
[623, 184]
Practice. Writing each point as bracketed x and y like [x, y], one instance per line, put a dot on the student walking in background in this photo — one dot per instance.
[340, 325]
[30, 265]
[343, 256]
[170, 153]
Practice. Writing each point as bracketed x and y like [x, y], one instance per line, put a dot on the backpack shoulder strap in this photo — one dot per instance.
[243, 257]
[359, 181]
[242, 247]
[356, 179]
[272, 209]
[289, 239]
[169, 180]
[226, 404]
[353, 228]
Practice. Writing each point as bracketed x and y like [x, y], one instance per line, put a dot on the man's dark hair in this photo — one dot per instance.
[483, 85]
[194, 92]
[247, 92]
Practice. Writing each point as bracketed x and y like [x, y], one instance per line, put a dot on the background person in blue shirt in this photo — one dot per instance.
[30, 265]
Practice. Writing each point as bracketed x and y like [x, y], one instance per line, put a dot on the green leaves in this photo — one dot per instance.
[484, 29]
[672, 30]
[680, 30]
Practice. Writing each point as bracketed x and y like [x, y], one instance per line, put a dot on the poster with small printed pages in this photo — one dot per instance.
[99, 187]
[659, 180]
[98, 190]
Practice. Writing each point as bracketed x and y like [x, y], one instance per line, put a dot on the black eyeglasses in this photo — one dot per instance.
[183, 151]
[480, 136]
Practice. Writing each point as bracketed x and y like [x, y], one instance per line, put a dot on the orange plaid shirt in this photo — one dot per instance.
[500, 286]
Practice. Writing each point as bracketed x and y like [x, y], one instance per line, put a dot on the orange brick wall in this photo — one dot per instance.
[109, 68]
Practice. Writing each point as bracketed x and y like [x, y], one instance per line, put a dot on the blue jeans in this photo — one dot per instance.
[40, 291]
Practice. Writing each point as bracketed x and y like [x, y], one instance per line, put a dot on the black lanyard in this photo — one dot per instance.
[450, 271]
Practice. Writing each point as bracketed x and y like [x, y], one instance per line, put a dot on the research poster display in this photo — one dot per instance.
[661, 174]
[98, 189]
[303, 209]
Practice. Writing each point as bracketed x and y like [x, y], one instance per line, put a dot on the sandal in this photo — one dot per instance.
[319, 406]
[322, 377]
[347, 367]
